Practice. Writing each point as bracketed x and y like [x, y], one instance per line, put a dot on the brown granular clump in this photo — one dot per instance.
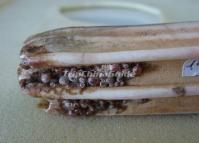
[90, 107]
[106, 75]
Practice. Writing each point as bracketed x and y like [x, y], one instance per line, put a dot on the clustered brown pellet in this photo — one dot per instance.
[107, 75]
[91, 107]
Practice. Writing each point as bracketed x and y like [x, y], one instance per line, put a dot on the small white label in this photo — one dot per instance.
[191, 68]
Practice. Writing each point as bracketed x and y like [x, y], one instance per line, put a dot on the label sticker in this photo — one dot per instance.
[191, 68]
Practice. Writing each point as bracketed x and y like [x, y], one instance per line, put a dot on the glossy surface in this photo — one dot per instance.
[21, 122]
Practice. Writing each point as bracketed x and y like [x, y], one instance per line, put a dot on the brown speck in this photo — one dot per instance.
[117, 84]
[59, 71]
[121, 83]
[137, 70]
[43, 104]
[93, 81]
[33, 50]
[72, 92]
[111, 84]
[22, 83]
[142, 101]
[179, 90]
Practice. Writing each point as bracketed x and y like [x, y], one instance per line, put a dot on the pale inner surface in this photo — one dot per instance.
[169, 105]
[109, 39]
[21, 122]
[163, 73]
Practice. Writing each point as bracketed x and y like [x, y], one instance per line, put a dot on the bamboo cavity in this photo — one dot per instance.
[165, 46]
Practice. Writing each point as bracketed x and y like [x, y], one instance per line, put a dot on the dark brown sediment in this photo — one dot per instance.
[83, 107]
[87, 107]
